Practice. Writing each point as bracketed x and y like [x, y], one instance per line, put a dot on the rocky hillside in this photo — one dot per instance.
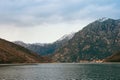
[97, 40]
[12, 53]
[46, 49]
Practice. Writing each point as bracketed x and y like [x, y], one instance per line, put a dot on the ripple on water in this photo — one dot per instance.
[61, 72]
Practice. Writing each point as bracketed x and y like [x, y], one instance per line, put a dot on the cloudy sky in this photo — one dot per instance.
[45, 21]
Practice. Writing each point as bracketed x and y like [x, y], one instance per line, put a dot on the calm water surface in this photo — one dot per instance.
[61, 72]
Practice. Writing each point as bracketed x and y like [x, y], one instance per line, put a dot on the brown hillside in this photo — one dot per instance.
[12, 53]
[114, 58]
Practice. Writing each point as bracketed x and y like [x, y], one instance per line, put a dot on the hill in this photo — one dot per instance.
[12, 53]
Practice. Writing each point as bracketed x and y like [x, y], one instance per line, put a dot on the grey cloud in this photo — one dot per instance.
[36, 12]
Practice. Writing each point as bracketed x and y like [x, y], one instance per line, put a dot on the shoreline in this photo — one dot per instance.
[22, 64]
[18, 64]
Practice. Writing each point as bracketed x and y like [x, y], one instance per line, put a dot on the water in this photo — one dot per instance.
[61, 72]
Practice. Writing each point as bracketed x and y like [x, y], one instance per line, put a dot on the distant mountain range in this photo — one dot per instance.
[96, 41]
[12, 53]
[46, 49]
[99, 40]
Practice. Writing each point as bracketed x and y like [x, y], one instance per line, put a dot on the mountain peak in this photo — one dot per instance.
[103, 24]
[103, 19]
[67, 36]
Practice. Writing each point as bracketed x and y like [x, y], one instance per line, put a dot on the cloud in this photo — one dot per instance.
[35, 12]
[97, 11]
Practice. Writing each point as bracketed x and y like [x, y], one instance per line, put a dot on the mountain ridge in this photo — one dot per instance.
[46, 49]
[97, 40]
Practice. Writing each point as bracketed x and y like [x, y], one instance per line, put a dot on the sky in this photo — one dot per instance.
[45, 21]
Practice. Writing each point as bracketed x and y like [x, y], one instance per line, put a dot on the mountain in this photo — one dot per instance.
[96, 41]
[46, 49]
[114, 58]
[66, 37]
[12, 53]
